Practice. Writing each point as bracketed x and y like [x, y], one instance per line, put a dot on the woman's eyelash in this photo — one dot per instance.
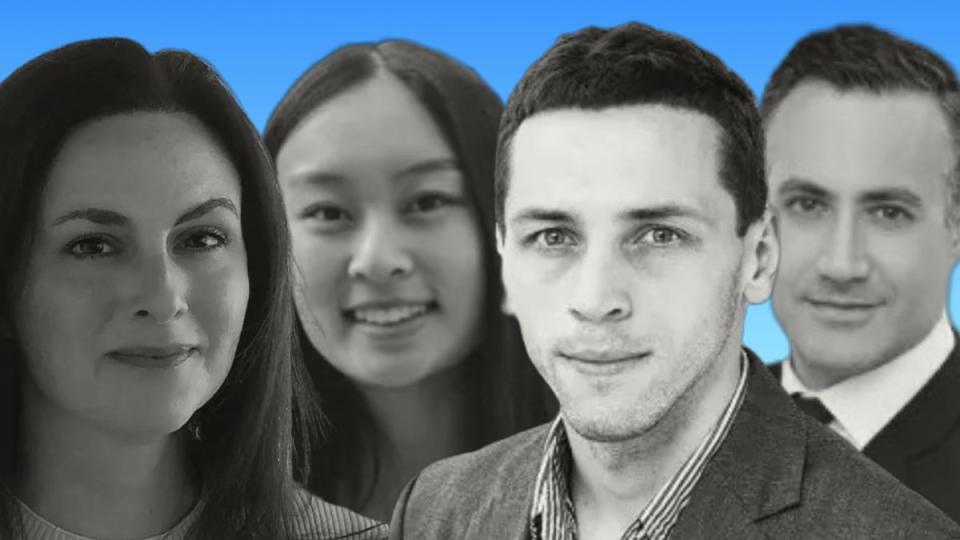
[88, 240]
[223, 239]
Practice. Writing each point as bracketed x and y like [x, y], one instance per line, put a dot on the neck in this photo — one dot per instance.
[416, 425]
[94, 483]
[612, 482]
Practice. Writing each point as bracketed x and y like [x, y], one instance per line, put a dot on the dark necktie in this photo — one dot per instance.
[813, 407]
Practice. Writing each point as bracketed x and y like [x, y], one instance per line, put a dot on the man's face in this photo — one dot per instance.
[859, 183]
[621, 261]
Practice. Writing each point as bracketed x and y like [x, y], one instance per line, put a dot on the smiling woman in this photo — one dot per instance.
[145, 356]
[385, 154]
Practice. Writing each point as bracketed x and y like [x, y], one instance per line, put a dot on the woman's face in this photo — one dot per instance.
[136, 286]
[388, 251]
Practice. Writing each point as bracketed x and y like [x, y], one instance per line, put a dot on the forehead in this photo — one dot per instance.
[856, 140]
[151, 157]
[379, 123]
[617, 158]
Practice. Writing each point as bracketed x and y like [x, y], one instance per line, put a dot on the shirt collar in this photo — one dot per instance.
[865, 403]
[552, 515]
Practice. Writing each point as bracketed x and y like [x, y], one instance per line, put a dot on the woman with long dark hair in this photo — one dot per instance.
[146, 350]
[385, 154]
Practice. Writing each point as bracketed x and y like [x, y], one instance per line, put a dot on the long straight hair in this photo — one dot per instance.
[505, 394]
[244, 451]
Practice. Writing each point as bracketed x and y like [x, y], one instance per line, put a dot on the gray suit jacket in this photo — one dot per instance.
[777, 475]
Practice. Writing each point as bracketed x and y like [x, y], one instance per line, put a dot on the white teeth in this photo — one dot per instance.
[386, 316]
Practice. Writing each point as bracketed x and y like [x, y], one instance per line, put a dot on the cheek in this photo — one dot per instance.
[67, 309]
[319, 273]
[218, 301]
[63, 323]
[799, 249]
[916, 266]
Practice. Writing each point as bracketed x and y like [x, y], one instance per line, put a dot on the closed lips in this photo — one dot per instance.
[843, 304]
[603, 357]
[156, 353]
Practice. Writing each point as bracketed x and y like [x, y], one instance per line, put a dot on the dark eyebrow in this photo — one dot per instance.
[100, 217]
[317, 178]
[204, 207]
[543, 214]
[892, 194]
[429, 166]
[115, 219]
[664, 212]
[806, 186]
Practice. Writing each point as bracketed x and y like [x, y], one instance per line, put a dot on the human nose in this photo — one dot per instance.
[599, 294]
[161, 295]
[842, 256]
[379, 255]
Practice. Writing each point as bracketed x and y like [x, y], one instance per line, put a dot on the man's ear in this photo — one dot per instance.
[761, 258]
[505, 303]
[953, 224]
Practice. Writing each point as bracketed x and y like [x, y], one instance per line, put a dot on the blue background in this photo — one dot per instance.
[260, 49]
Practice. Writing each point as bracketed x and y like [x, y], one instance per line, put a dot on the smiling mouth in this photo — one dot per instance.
[843, 305]
[153, 357]
[603, 358]
[603, 363]
[389, 315]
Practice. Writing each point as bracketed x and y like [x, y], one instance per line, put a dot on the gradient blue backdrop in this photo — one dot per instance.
[260, 49]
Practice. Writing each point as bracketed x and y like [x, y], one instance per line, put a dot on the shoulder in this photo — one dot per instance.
[849, 493]
[489, 464]
[316, 519]
[483, 492]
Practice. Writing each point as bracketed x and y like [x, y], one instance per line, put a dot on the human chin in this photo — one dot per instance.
[603, 419]
[375, 368]
[609, 409]
[166, 403]
[845, 354]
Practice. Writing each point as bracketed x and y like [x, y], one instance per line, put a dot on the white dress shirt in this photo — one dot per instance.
[863, 404]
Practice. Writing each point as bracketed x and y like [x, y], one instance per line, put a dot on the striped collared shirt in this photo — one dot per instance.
[553, 517]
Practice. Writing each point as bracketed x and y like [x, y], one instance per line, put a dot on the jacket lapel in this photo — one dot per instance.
[758, 470]
[914, 446]
[926, 420]
[505, 511]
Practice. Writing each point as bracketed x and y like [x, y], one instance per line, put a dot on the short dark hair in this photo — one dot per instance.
[505, 393]
[244, 449]
[863, 57]
[632, 64]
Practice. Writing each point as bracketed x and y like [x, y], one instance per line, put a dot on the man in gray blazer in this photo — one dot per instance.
[863, 154]
[633, 229]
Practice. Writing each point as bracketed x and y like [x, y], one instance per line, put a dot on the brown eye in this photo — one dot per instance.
[891, 213]
[91, 246]
[205, 240]
[430, 202]
[324, 212]
[806, 205]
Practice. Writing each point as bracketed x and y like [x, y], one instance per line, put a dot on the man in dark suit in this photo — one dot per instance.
[633, 229]
[862, 158]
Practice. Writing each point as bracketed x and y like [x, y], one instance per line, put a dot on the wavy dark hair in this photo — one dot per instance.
[245, 451]
[506, 395]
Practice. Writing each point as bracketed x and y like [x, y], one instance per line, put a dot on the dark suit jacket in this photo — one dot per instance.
[921, 445]
[777, 475]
